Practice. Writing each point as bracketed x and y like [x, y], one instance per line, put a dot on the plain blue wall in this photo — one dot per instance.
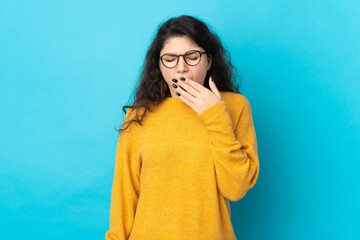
[68, 67]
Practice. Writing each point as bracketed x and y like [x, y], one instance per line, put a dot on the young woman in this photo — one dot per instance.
[190, 144]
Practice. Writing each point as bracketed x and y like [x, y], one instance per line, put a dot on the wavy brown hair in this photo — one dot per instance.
[152, 87]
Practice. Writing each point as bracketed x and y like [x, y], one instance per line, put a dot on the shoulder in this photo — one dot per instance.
[131, 113]
[130, 122]
[238, 107]
[235, 100]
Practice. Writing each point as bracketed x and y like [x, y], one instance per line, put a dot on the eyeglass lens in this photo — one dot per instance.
[191, 58]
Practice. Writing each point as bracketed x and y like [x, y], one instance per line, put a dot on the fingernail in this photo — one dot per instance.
[174, 85]
[212, 79]
[182, 78]
[174, 80]
[177, 93]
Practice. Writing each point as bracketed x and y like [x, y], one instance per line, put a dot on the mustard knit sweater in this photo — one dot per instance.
[175, 174]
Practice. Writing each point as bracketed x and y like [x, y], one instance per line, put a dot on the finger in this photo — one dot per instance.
[197, 86]
[189, 89]
[213, 87]
[184, 92]
[184, 97]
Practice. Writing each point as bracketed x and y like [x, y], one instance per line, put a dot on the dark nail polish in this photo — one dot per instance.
[182, 78]
[174, 80]
[177, 93]
[174, 85]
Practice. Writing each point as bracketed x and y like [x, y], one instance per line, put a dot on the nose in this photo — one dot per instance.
[182, 66]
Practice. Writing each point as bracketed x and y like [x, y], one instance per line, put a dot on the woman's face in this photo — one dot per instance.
[181, 45]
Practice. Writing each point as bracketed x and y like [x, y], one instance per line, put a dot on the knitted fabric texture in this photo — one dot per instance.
[175, 174]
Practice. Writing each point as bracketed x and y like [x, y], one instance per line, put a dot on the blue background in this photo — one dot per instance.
[68, 67]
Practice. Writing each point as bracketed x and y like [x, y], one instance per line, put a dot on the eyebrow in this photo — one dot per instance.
[184, 53]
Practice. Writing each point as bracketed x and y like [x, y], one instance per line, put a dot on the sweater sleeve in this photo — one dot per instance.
[234, 151]
[126, 186]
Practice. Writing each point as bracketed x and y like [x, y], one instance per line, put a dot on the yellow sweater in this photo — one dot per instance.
[174, 176]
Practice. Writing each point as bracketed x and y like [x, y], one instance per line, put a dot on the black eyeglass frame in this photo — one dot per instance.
[178, 57]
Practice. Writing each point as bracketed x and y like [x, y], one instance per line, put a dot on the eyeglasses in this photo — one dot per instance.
[191, 58]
